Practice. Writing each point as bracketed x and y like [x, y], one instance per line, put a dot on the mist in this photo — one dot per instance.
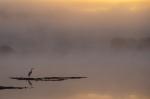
[112, 48]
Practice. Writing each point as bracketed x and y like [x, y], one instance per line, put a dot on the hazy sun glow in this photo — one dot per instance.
[107, 96]
[94, 1]
[82, 1]
[92, 6]
[99, 5]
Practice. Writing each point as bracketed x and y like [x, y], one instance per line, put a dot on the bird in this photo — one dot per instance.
[30, 72]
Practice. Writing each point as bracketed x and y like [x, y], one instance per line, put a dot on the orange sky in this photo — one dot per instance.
[94, 1]
[91, 5]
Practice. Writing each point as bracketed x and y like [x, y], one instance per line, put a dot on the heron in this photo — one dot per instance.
[30, 72]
